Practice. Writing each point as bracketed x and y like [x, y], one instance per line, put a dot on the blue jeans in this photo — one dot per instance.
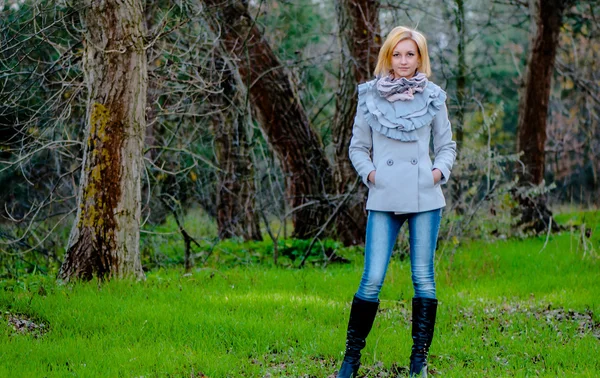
[382, 231]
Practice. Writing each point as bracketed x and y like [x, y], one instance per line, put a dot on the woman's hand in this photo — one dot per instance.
[437, 175]
[371, 177]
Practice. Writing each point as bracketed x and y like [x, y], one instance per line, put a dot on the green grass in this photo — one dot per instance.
[510, 308]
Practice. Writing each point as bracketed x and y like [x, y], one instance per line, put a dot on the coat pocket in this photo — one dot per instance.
[427, 171]
[381, 176]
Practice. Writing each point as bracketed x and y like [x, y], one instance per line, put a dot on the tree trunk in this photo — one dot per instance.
[533, 110]
[236, 193]
[284, 121]
[359, 33]
[461, 93]
[104, 240]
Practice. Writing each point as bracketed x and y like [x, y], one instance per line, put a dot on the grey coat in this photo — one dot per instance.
[392, 138]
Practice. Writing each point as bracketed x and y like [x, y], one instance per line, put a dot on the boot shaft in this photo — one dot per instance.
[362, 316]
[423, 321]
[423, 325]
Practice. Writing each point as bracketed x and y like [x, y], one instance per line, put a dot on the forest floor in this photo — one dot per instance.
[509, 308]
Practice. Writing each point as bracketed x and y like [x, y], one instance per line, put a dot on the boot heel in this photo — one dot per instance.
[422, 374]
[348, 370]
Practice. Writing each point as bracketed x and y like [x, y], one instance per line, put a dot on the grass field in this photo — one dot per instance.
[523, 308]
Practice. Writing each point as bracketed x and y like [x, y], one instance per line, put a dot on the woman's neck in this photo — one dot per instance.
[396, 77]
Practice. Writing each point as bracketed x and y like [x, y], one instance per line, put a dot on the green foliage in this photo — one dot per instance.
[508, 308]
[481, 174]
[39, 251]
[231, 252]
[163, 246]
[586, 227]
[297, 248]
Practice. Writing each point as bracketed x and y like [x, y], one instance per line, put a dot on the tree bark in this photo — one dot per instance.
[104, 240]
[308, 173]
[461, 94]
[360, 37]
[533, 109]
[236, 194]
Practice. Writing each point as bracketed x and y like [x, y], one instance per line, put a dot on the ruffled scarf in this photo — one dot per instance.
[402, 89]
[399, 120]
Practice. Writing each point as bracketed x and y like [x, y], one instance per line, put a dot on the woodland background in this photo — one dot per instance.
[123, 125]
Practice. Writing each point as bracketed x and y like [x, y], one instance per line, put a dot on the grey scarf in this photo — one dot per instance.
[401, 89]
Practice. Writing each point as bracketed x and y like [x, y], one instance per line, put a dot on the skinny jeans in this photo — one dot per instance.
[382, 232]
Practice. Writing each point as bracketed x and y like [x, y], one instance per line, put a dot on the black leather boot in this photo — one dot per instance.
[423, 324]
[361, 320]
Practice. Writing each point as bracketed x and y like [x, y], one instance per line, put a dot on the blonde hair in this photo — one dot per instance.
[400, 33]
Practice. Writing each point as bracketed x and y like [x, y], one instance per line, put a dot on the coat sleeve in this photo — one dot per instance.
[360, 147]
[444, 147]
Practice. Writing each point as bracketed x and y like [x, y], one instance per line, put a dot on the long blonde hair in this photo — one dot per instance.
[400, 33]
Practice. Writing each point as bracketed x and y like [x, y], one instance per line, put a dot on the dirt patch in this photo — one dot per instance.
[584, 320]
[22, 324]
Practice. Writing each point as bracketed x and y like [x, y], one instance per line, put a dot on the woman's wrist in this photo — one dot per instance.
[437, 175]
[371, 177]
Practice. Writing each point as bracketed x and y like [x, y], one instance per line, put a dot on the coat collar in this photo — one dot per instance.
[399, 119]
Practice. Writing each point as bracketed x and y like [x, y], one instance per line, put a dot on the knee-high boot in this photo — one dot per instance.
[423, 324]
[361, 320]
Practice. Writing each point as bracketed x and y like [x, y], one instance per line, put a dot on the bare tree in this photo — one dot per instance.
[461, 93]
[272, 93]
[104, 240]
[236, 197]
[533, 109]
[573, 131]
[359, 34]
[40, 117]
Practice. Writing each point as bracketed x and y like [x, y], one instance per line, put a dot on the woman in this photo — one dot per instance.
[397, 114]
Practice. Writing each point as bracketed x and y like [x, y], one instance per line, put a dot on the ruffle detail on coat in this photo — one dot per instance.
[399, 120]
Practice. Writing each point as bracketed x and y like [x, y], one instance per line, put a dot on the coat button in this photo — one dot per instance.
[414, 161]
[390, 162]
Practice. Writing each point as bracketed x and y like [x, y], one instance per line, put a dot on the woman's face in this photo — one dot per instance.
[405, 59]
